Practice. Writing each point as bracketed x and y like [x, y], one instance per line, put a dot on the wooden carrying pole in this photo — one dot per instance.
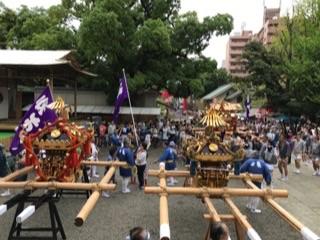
[93, 199]
[105, 163]
[164, 209]
[217, 192]
[181, 173]
[251, 233]
[306, 233]
[29, 185]
[223, 217]
[213, 212]
[17, 173]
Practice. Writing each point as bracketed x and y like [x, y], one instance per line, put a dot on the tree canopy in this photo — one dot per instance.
[158, 47]
[289, 69]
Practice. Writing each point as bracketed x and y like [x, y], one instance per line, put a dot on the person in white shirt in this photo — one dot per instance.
[297, 151]
[94, 157]
[147, 140]
[141, 163]
[165, 133]
[155, 136]
[111, 130]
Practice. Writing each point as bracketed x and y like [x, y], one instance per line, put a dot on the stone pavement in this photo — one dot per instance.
[113, 217]
[304, 195]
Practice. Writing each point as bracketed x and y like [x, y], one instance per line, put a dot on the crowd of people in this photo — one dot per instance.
[151, 132]
[283, 143]
[131, 144]
[267, 145]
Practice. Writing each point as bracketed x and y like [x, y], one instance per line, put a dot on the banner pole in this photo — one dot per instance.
[49, 84]
[133, 122]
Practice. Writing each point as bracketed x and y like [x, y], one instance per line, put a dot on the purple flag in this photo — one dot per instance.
[36, 117]
[122, 96]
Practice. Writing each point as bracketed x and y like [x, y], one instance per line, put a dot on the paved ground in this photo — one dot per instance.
[113, 217]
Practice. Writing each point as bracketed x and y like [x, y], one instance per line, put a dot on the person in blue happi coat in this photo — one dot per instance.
[255, 165]
[169, 157]
[115, 140]
[125, 154]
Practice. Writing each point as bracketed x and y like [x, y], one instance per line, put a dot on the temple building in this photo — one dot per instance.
[21, 70]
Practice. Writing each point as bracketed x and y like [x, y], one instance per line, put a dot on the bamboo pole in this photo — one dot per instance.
[175, 173]
[306, 233]
[253, 177]
[223, 217]
[182, 173]
[93, 199]
[17, 173]
[164, 209]
[213, 212]
[57, 185]
[104, 163]
[218, 192]
[251, 233]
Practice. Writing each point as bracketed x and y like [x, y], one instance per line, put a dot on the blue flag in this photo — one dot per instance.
[122, 96]
[36, 117]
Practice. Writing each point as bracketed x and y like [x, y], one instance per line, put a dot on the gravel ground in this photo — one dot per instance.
[113, 217]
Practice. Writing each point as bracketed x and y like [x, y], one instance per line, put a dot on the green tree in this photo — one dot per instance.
[158, 47]
[215, 78]
[36, 28]
[265, 70]
[288, 71]
[7, 21]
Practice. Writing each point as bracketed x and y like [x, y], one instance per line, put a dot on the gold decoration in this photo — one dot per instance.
[57, 105]
[213, 119]
[213, 157]
[55, 133]
[213, 147]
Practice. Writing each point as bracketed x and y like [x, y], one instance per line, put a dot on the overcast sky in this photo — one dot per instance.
[246, 13]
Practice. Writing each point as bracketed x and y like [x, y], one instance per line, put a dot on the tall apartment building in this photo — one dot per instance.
[271, 18]
[234, 63]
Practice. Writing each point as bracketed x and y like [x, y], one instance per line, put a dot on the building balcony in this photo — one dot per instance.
[235, 61]
[237, 68]
[239, 74]
[236, 52]
[238, 44]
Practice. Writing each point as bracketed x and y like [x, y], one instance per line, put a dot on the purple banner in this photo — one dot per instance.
[122, 96]
[36, 117]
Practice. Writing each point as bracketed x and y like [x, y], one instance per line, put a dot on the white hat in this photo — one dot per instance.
[162, 164]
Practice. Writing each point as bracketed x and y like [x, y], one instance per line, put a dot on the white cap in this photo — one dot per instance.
[162, 165]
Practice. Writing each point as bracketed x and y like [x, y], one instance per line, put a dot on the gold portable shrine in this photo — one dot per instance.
[213, 158]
